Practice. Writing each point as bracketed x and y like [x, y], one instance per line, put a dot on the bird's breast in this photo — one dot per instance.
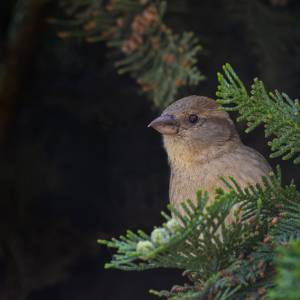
[244, 164]
[185, 183]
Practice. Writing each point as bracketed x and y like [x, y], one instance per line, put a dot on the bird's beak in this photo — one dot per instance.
[165, 124]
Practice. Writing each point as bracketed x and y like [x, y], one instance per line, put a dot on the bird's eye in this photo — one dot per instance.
[193, 119]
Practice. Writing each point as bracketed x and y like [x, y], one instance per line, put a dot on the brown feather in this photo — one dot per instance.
[200, 153]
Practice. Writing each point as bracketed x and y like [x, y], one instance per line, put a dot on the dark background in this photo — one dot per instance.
[78, 162]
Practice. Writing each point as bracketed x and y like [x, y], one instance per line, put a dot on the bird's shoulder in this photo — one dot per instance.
[243, 163]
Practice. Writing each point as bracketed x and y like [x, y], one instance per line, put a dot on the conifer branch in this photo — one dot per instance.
[288, 273]
[276, 111]
[224, 261]
[147, 49]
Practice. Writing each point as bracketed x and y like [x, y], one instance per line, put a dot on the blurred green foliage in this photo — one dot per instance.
[144, 46]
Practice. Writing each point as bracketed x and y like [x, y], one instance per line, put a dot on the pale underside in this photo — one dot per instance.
[246, 165]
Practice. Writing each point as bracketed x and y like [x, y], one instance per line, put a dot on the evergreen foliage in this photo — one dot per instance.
[230, 260]
[288, 277]
[146, 48]
[278, 113]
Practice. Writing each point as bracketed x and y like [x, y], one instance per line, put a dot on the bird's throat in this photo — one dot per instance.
[184, 154]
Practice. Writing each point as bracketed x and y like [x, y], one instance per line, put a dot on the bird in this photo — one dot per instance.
[203, 144]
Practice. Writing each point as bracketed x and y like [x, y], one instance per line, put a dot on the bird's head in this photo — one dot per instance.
[193, 126]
